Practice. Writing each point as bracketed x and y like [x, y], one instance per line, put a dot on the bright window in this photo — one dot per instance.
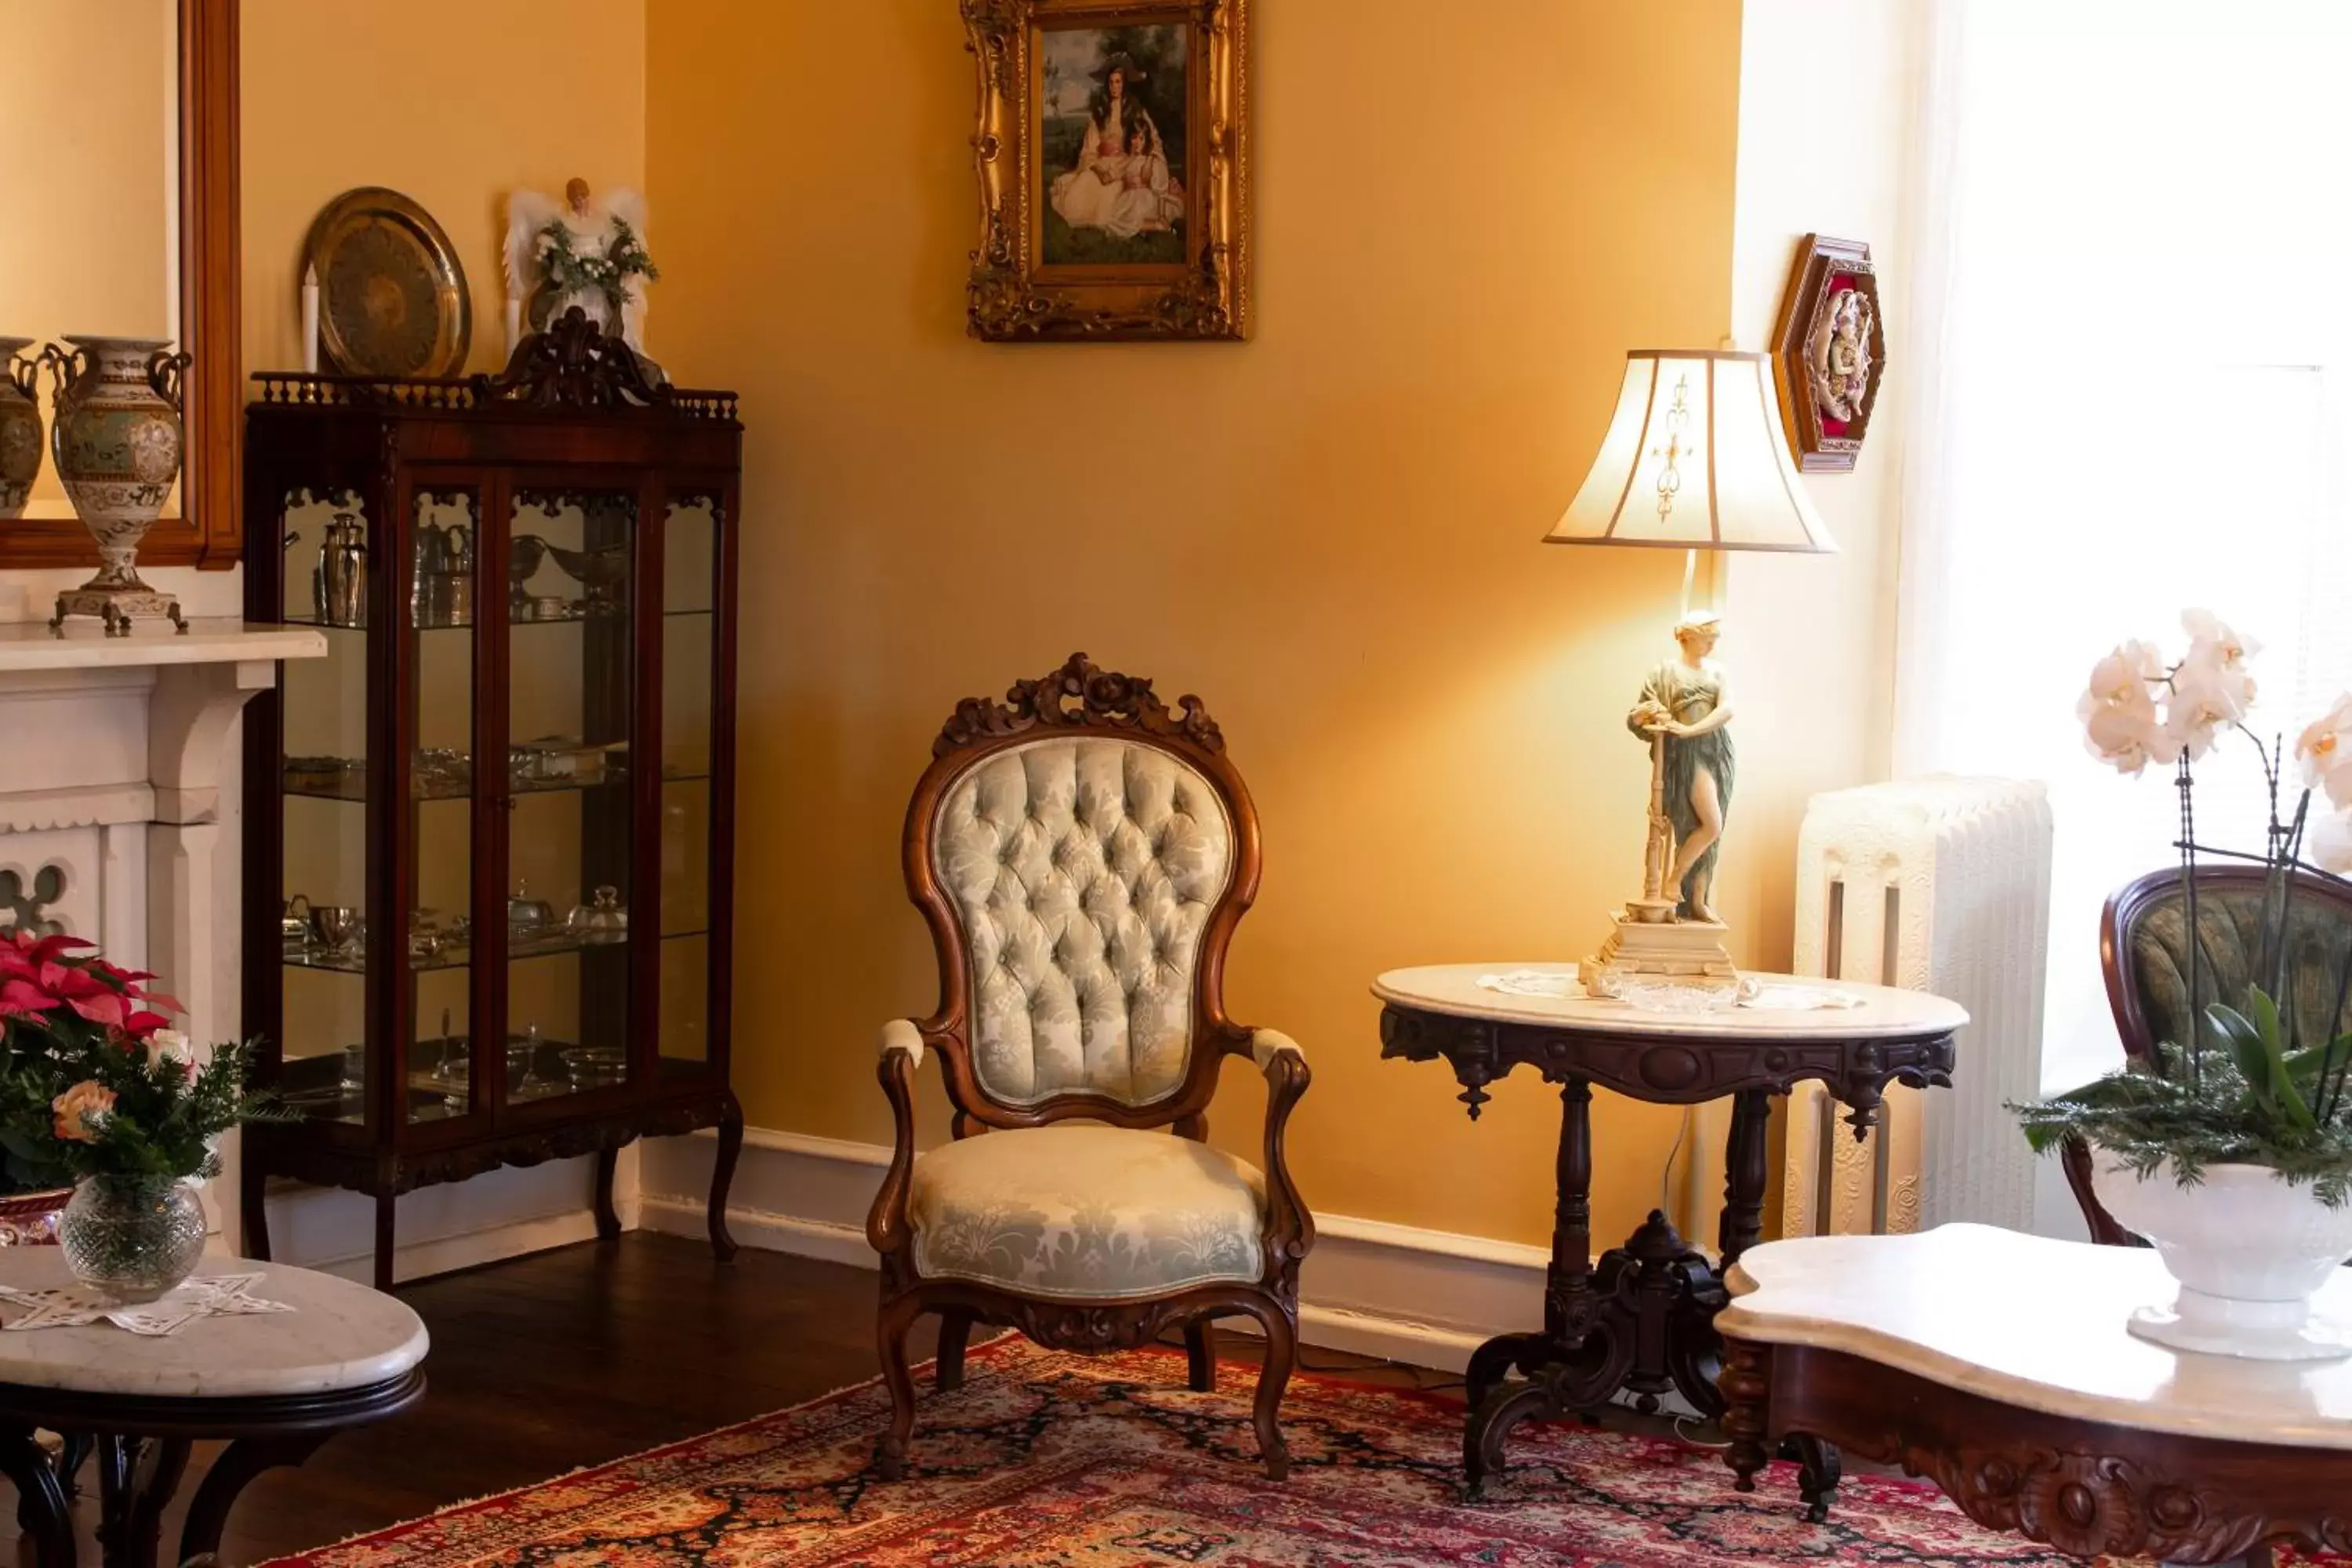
[2142, 363]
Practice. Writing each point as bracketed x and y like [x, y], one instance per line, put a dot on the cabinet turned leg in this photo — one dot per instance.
[723, 1177]
[387, 1207]
[1747, 1388]
[608, 1218]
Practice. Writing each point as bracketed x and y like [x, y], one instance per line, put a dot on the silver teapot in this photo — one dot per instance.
[338, 582]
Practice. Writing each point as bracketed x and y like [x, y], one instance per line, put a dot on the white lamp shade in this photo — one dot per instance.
[1695, 459]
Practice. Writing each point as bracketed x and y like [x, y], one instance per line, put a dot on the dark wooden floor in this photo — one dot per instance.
[576, 1356]
[562, 1359]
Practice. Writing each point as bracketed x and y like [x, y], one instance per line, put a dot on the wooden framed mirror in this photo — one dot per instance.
[130, 229]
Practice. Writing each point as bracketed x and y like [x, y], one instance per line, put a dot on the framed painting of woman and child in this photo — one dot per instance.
[1113, 157]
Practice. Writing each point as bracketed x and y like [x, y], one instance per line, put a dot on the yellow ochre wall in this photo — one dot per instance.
[454, 102]
[1466, 215]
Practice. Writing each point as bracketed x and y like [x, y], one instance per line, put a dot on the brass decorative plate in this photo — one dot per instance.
[392, 296]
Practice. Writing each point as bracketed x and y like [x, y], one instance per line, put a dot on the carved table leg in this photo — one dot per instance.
[41, 1511]
[1819, 1467]
[1495, 1405]
[1746, 1172]
[137, 1477]
[1747, 1387]
[238, 1465]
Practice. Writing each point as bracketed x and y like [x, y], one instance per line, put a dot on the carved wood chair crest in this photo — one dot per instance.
[1082, 855]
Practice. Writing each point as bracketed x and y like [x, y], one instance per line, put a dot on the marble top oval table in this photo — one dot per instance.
[1641, 1319]
[1997, 1364]
[276, 1384]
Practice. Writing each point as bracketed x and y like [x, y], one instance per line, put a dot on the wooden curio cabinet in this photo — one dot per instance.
[488, 839]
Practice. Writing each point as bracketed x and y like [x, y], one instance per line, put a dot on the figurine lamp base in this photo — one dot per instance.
[1690, 948]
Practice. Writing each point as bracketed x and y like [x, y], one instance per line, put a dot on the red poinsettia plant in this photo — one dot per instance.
[94, 1082]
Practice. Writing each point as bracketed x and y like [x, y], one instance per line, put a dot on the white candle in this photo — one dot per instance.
[310, 319]
[514, 326]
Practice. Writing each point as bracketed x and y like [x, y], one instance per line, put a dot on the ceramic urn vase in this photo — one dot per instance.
[2248, 1251]
[20, 426]
[117, 441]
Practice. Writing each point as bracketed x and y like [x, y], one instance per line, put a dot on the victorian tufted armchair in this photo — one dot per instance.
[1082, 855]
[2144, 950]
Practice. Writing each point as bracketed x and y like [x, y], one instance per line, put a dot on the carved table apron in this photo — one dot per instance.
[1997, 1364]
[1641, 1319]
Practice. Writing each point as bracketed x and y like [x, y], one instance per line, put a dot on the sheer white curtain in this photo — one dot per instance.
[2132, 383]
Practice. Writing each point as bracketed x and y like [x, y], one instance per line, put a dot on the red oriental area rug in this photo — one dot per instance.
[1047, 1459]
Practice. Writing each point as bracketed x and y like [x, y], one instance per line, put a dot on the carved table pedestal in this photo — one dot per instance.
[1641, 1320]
[1997, 1364]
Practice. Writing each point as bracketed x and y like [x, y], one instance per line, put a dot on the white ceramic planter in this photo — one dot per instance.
[2248, 1251]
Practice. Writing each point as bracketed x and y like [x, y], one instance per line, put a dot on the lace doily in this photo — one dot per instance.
[72, 1306]
[1674, 996]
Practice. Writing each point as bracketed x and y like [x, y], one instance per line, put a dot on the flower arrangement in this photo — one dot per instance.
[94, 1082]
[2251, 1093]
[570, 272]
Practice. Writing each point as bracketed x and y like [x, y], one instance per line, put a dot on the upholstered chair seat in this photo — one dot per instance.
[1081, 1213]
[1082, 855]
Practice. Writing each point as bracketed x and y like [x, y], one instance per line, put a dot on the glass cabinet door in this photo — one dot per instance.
[571, 833]
[325, 766]
[441, 654]
[691, 560]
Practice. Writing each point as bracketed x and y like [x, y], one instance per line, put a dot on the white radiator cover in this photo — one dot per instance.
[1938, 884]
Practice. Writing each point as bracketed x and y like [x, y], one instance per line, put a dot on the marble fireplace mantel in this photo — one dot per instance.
[112, 751]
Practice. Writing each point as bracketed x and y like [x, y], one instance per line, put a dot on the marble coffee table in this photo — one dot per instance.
[277, 1386]
[1999, 1365]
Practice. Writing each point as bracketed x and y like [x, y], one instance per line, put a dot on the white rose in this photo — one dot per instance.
[171, 1045]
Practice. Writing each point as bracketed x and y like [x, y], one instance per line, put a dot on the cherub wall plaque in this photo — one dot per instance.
[1830, 352]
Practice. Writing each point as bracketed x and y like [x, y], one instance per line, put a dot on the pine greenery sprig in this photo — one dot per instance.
[2146, 1116]
[571, 271]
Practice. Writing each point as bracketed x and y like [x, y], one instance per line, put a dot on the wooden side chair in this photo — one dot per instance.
[1082, 855]
[2144, 951]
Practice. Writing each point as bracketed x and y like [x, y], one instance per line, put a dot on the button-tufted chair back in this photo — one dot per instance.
[1083, 854]
[1083, 872]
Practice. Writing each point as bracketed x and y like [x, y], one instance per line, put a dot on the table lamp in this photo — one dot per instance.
[1695, 459]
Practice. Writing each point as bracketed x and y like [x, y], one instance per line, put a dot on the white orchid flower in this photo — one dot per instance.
[2325, 749]
[2210, 638]
[2120, 718]
[2328, 842]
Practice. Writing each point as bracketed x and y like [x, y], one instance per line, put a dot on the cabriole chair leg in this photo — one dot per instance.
[890, 1332]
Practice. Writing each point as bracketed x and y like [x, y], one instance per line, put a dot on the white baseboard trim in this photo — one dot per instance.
[1425, 1297]
[498, 1214]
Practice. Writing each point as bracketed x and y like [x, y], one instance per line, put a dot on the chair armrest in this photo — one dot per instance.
[902, 1035]
[901, 1054]
[1267, 1043]
[1290, 1229]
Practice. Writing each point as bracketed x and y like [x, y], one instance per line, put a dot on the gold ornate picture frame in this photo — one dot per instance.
[1112, 150]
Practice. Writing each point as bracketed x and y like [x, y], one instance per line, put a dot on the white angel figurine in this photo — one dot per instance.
[580, 252]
